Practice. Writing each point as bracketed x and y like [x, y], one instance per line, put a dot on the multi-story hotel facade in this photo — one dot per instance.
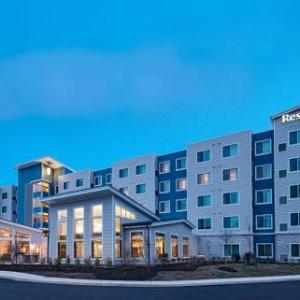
[230, 195]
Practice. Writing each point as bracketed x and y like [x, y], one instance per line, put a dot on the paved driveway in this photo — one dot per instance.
[10, 290]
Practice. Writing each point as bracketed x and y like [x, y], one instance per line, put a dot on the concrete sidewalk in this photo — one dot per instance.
[25, 277]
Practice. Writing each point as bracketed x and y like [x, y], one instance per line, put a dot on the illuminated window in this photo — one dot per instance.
[62, 224]
[122, 212]
[78, 223]
[118, 236]
[78, 249]
[97, 249]
[185, 247]
[160, 244]
[230, 174]
[48, 171]
[174, 246]
[181, 184]
[62, 249]
[164, 167]
[97, 221]
[137, 244]
[204, 178]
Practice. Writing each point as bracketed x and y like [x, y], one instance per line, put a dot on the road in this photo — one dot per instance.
[11, 290]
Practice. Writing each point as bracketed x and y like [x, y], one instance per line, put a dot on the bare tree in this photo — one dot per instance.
[226, 237]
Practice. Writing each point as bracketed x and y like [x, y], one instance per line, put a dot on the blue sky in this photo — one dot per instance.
[92, 82]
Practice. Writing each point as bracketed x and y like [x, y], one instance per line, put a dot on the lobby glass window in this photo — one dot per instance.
[79, 182]
[231, 249]
[204, 200]
[181, 205]
[263, 147]
[118, 235]
[295, 250]
[263, 196]
[62, 224]
[265, 250]
[141, 169]
[164, 167]
[164, 187]
[124, 190]
[98, 180]
[97, 225]
[263, 172]
[185, 247]
[230, 174]
[295, 164]
[295, 219]
[108, 178]
[40, 189]
[230, 150]
[137, 244]
[204, 155]
[97, 249]
[181, 163]
[282, 147]
[231, 198]
[124, 213]
[140, 188]
[181, 184]
[78, 223]
[66, 185]
[174, 246]
[204, 224]
[4, 209]
[164, 207]
[160, 244]
[5, 233]
[123, 173]
[295, 137]
[264, 222]
[4, 196]
[231, 222]
[78, 249]
[295, 191]
[204, 178]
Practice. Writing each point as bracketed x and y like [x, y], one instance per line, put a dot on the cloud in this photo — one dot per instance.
[68, 83]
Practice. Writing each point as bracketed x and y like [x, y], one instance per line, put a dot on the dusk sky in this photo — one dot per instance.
[93, 82]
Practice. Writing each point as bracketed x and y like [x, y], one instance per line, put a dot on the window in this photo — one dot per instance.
[295, 250]
[231, 198]
[78, 223]
[164, 187]
[140, 188]
[97, 221]
[231, 222]
[295, 164]
[263, 147]
[124, 213]
[283, 227]
[282, 147]
[4, 209]
[264, 250]
[164, 167]
[78, 249]
[230, 150]
[185, 247]
[180, 163]
[263, 172]
[123, 173]
[204, 178]
[118, 235]
[66, 185]
[164, 207]
[174, 246]
[295, 219]
[231, 249]
[108, 178]
[4, 196]
[263, 196]
[230, 174]
[181, 184]
[204, 223]
[62, 249]
[204, 155]
[140, 169]
[160, 244]
[282, 173]
[264, 222]
[79, 182]
[97, 249]
[204, 200]
[295, 191]
[62, 225]
[295, 137]
[137, 244]
[98, 180]
[283, 200]
[124, 190]
[181, 205]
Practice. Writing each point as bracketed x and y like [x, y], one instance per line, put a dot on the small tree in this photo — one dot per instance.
[226, 237]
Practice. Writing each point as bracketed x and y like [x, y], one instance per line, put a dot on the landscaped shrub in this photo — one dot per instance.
[97, 262]
[68, 260]
[227, 269]
[236, 258]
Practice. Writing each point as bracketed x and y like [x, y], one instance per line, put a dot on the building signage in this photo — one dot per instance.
[290, 117]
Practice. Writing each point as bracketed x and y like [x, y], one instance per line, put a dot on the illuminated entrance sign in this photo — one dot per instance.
[290, 117]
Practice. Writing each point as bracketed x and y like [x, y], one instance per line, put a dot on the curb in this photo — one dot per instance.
[24, 277]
